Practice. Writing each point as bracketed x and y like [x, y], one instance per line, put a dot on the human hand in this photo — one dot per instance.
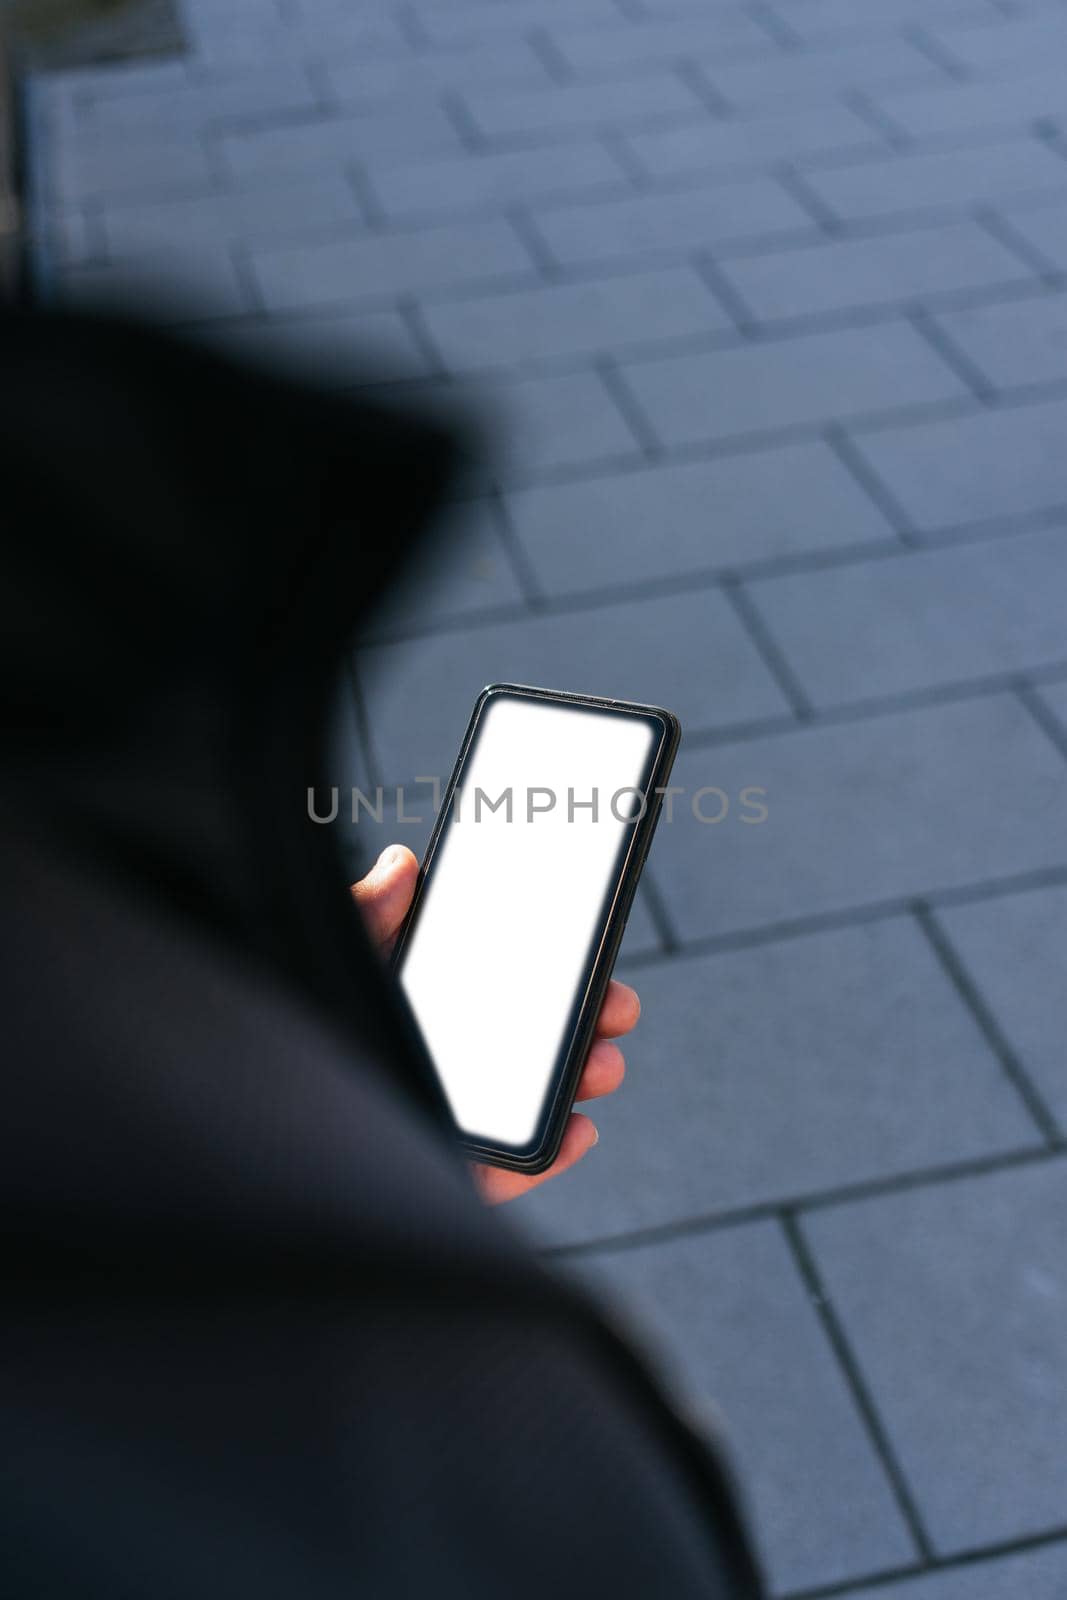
[383, 897]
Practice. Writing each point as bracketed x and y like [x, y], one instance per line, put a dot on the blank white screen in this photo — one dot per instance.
[494, 962]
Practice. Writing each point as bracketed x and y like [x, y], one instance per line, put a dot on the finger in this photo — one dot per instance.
[620, 1011]
[604, 1070]
[385, 894]
[495, 1185]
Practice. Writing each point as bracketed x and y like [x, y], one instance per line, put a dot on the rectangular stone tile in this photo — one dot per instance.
[894, 269]
[1014, 343]
[169, 286]
[791, 383]
[862, 813]
[386, 265]
[420, 693]
[279, 88]
[575, 319]
[831, 21]
[336, 143]
[730, 1318]
[1044, 228]
[343, 349]
[684, 517]
[940, 181]
[819, 74]
[89, 169]
[672, 224]
[955, 1300]
[724, 144]
[463, 571]
[591, 51]
[462, 25]
[244, 214]
[364, 80]
[222, 42]
[1031, 1575]
[501, 113]
[996, 48]
[963, 109]
[1012, 947]
[762, 1075]
[498, 180]
[922, 620]
[972, 470]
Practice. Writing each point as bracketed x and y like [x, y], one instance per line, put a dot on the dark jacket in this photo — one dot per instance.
[260, 1338]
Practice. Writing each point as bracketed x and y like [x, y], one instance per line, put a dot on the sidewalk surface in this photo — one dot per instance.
[769, 299]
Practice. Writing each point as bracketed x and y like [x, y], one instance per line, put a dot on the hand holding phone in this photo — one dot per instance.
[532, 867]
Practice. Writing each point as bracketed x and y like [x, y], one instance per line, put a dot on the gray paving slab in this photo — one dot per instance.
[360, 80]
[974, 470]
[1054, 697]
[385, 266]
[843, 275]
[689, 517]
[940, 182]
[996, 48]
[955, 1300]
[977, 110]
[551, 424]
[244, 216]
[420, 694]
[672, 224]
[806, 381]
[721, 1310]
[1014, 343]
[1044, 229]
[1012, 947]
[773, 1073]
[727, 144]
[334, 144]
[462, 25]
[464, 570]
[833, 21]
[168, 285]
[563, 322]
[922, 620]
[719, 30]
[340, 349]
[862, 813]
[86, 169]
[820, 73]
[1031, 1575]
[279, 88]
[651, 97]
[498, 180]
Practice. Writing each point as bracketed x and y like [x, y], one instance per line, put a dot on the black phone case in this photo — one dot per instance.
[614, 926]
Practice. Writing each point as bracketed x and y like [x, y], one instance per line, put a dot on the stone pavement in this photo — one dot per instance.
[768, 300]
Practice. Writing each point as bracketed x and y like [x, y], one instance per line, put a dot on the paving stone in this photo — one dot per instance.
[672, 224]
[465, 25]
[955, 1300]
[1014, 343]
[720, 1310]
[342, 350]
[977, 469]
[1032, 1575]
[246, 214]
[1012, 947]
[387, 265]
[977, 109]
[420, 693]
[502, 113]
[725, 144]
[687, 517]
[280, 88]
[498, 180]
[589, 51]
[830, 21]
[330, 145]
[794, 382]
[786, 1070]
[1055, 698]
[88, 169]
[922, 620]
[846, 274]
[995, 48]
[171, 286]
[464, 570]
[862, 813]
[575, 319]
[552, 424]
[222, 42]
[942, 181]
[1044, 228]
[363, 80]
[820, 74]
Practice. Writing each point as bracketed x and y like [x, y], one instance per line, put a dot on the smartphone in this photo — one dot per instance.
[521, 905]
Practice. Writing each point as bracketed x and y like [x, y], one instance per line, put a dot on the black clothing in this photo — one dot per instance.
[260, 1338]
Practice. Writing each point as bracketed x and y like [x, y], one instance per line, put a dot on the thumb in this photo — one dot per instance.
[385, 894]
